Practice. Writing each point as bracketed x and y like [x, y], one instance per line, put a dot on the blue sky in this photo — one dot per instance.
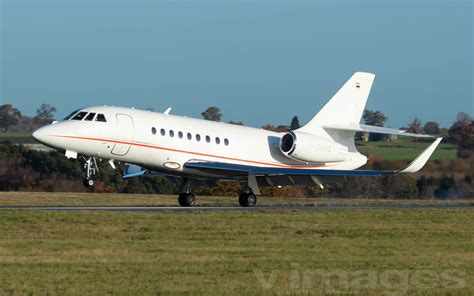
[259, 61]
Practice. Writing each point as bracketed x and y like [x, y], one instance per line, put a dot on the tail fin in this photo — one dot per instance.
[347, 105]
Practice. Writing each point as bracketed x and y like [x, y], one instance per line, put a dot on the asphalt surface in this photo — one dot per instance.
[233, 208]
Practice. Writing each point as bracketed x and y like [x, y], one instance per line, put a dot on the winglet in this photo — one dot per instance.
[421, 160]
[167, 111]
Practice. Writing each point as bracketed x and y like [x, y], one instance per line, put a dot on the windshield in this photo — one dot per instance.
[80, 116]
[72, 113]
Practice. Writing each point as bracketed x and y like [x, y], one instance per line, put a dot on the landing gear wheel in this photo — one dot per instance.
[187, 199]
[247, 199]
[88, 182]
[90, 169]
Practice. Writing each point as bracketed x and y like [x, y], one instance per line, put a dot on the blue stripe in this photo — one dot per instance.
[284, 171]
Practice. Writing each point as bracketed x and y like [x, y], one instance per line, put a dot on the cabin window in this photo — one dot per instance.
[101, 118]
[180, 135]
[198, 137]
[162, 132]
[171, 133]
[208, 139]
[218, 141]
[80, 116]
[190, 136]
[90, 117]
[153, 130]
[226, 142]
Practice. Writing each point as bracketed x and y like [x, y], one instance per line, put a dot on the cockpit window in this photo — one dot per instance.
[71, 114]
[79, 116]
[90, 117]
[101, 118]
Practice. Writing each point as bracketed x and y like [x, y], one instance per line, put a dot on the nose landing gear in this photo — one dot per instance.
[90, 169]
[88, 183]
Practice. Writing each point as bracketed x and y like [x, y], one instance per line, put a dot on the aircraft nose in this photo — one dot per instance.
[46, 136]
[39, 135]
[50, 136]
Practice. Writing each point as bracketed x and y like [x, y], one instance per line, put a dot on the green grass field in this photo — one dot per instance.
[14, 134]
[404, 149]
[253, 253]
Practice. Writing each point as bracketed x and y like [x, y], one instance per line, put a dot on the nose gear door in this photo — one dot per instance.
[124, 134]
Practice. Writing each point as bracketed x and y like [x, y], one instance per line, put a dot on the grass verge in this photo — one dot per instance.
[252, 253]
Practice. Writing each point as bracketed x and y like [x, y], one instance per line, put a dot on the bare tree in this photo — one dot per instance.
[415, 127]
[461, 120]
[45, 114]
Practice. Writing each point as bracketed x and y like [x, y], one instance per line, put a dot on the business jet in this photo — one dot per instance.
[161, 143]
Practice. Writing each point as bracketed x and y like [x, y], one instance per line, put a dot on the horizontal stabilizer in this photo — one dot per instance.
[372, 129]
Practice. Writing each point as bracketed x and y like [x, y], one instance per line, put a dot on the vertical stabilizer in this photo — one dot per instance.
[347, 105]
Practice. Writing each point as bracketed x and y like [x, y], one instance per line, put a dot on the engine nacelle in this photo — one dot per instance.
[310, 148]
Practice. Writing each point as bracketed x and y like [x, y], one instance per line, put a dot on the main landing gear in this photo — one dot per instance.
[90, 169]
[247, 198]
[186, 198]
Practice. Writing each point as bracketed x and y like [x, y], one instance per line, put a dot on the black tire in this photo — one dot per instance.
[243, 199]
[251, 200]
[88, 182]
[247, 199]
[187, 199]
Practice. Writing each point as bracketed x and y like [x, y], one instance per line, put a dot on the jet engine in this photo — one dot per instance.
[310, 148]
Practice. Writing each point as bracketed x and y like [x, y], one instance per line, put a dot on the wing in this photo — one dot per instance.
[271, 176]
[302, 176]
[222, 167]
[276, 176]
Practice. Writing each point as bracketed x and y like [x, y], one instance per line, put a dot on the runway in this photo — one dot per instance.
[233, 208]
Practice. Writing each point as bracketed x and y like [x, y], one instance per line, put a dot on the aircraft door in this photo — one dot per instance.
[124, 133]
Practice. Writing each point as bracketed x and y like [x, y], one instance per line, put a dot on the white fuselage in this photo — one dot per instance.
[137, 137]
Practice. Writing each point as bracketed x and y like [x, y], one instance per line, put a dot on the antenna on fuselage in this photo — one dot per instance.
[167, 111]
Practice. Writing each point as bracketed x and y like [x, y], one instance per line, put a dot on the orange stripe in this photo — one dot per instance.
[188, 152]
